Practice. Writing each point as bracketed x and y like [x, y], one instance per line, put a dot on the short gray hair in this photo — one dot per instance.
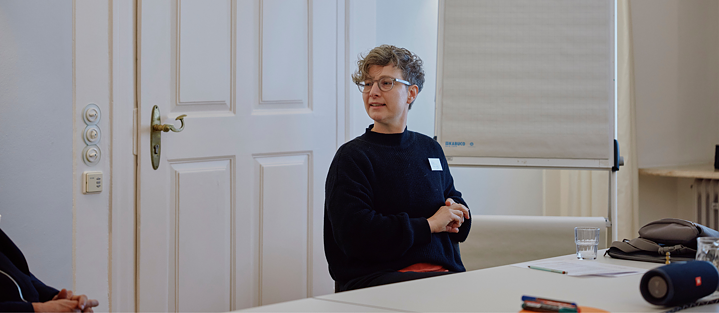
[407, 62]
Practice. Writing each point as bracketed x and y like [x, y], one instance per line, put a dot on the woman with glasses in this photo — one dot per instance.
[391, 211]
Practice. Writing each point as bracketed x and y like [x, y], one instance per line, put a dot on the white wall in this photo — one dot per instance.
[676, 68]
[361, 36]
[501, 191]
[92, 232]
[36, 135]
[63, 232]
[412, 24]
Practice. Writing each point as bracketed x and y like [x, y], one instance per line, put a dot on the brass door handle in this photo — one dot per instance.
[170, 127]
[157, 128]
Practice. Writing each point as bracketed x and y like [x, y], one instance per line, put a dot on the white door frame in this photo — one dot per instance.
[123, 181]
[122, 261]
[92, 73]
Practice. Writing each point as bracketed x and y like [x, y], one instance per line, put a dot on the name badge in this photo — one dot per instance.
[435, 164]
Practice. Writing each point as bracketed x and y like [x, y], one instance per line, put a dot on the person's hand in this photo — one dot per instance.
[59, 305]
[83, 303]
[63, 294]
[448, 218]
[465, 212]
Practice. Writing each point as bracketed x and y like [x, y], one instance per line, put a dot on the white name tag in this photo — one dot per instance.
[435, 164]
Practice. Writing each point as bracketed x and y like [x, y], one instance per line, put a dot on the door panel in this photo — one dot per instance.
[282, 182]
[232, 218]
[205, 62]
[203, 233]
[284, 45]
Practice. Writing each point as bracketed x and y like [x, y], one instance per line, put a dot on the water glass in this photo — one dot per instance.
[587, 240]
[708, 250]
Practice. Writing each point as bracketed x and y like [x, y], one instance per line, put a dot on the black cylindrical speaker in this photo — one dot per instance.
[679, 283]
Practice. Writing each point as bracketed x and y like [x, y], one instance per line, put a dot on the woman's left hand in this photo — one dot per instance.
[454, 205]
[83, 303]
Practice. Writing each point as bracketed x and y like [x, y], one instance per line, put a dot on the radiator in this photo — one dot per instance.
[706, 195]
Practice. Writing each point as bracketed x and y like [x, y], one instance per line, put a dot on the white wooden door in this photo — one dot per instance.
[232, 218]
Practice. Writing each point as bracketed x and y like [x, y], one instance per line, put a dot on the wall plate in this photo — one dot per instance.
[91, 114]
[91, 135]
[91, 155]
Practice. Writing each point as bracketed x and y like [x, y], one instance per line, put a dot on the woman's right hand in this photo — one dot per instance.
[60, 305]
[448, 218]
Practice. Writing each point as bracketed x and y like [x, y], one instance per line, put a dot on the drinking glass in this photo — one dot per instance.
[708, 250]
[587, 240]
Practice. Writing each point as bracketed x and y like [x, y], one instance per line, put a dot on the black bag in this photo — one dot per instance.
[678, 237]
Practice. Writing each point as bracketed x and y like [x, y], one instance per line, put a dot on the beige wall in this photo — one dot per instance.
[676, 67]
[36, 134]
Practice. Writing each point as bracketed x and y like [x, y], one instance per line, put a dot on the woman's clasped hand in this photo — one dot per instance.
[66, 301]
[449, 217]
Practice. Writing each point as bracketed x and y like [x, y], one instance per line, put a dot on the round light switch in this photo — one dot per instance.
[91, 155]
[91, 114]
[92, 135]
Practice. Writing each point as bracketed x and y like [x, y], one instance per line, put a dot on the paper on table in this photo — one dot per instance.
[585, 268]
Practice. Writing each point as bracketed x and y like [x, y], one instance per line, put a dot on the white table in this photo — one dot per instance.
[315, 305]
[497, 289]
[500, 289]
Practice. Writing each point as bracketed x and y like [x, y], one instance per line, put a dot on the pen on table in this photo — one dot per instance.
[546, 269]
[539, 307]
[530, 303]
[549, 301]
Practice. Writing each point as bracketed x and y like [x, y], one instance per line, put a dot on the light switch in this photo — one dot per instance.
[93, 182]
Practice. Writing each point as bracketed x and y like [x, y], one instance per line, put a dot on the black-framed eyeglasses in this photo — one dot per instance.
[385, 84]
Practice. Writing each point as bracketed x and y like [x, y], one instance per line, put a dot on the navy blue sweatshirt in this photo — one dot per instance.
[12, 263]
[379, 192]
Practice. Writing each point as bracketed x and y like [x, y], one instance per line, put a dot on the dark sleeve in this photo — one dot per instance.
[450, 192]
[359, 231]
[12, 306]
[12, 253]
[45, 292]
